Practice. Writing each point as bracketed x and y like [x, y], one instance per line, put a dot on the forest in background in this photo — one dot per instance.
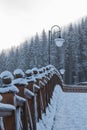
[72, 56]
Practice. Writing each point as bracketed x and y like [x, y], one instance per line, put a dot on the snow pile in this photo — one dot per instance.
[48, 118]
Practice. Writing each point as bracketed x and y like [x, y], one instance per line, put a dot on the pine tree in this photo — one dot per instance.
[44, 49]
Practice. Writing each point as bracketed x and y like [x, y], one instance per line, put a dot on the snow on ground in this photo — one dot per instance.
[68, 111]
[48, 118]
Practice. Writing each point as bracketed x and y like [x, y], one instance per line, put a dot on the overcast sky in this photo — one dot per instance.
[20, 19]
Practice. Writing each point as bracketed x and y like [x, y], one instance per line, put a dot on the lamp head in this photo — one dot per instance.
[59, 42]
[62, 71]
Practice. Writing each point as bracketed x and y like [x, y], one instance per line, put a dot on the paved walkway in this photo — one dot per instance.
[71, 112]
[68, 111]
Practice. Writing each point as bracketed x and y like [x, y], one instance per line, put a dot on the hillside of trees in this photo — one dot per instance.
[72, 56]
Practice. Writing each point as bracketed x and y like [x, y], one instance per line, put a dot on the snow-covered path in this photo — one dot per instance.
[71, 113]
[68, 111]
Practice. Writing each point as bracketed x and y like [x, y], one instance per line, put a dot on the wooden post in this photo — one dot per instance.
[43, 95]
[31, 102]
[8, 92]
[21, 83]
[21, 88]
[38, 101]
[9, 121]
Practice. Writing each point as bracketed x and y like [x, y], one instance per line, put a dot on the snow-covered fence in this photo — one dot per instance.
[75, 88]
[7, 91]
[29, 93]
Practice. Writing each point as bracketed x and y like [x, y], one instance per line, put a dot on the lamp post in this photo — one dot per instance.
[59, 41]
[62, 71]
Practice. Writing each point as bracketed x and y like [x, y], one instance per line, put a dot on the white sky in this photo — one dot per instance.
[20, 19]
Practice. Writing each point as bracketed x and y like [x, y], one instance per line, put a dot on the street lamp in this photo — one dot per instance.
[58, 40]
[62, 71]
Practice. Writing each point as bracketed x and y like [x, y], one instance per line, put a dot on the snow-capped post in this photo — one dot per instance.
[37, 92]
[54, 78]
[20, 81]
[49, 76]
[51, 82]
[20, 101]
[52, 75]
[37, 102]
[42, 84]
[31, 101]
[8, 91]
[30, 79]
[57, 77]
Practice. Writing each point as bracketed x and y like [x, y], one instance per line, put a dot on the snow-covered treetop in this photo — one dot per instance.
[6, 74]
[18, 73]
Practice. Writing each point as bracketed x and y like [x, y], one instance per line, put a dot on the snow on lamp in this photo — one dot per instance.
[62, 71]
[59, 42]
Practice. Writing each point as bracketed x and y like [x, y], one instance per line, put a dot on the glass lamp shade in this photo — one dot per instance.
[59, 42]
[62, 71]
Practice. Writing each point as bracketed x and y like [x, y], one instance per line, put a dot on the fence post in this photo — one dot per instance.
[31, 80]
[21, 83]
[37, 91]
[8, 92]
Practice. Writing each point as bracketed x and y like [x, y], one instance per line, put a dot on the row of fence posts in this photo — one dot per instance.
[24, 97]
